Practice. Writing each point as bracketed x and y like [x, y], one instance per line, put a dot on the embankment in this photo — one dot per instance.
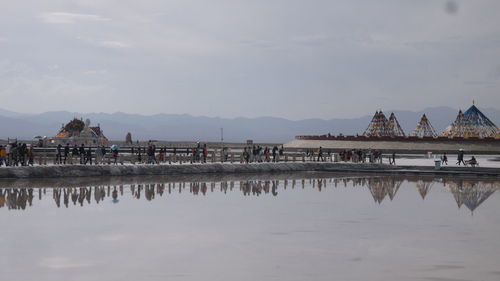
[71, 171]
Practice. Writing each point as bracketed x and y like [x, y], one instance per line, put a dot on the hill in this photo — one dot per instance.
[177, 127]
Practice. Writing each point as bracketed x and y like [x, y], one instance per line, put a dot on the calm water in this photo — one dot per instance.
[269, 227]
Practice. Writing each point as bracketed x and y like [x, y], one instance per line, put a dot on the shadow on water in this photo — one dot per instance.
[20, 194]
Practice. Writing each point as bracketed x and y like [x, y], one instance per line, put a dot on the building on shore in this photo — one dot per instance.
[78, 132]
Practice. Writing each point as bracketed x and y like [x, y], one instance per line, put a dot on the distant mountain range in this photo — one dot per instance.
[183, 127]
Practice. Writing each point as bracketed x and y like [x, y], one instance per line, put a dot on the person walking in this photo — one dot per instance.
[74, 153]
[151, 155]
[115, 155]
[31, 156]
[103, 153]
[3, 155]
[59, 151]
[88, 156]
[98, 155]
[392, 159]
[320, 154]
[23, 150]
[8, 155]
[139, 155]
[246, 155]
[66, 153]
[275, 150]
[82, 153]
[460, 157]
[444, 159]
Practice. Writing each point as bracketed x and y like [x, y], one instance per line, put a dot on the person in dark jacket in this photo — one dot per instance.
[82, 153]
[66, 153]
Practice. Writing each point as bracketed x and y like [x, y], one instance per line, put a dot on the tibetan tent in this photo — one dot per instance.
[393, 127]
[378, 126]
[424, 128]
[471, 123]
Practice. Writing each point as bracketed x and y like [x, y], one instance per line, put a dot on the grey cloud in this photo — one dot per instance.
[289, 59]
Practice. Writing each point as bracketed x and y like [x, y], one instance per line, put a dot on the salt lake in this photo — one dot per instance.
[301, 226]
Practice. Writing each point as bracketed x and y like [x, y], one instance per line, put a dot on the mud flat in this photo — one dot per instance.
[71, 171]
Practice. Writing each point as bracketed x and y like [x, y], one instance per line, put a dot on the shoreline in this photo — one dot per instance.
[80, 171]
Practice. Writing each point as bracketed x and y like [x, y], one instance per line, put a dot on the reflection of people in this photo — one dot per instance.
[114, 195]
[274, 188]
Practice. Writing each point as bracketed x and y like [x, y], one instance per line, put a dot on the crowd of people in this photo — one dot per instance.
[22, 154]
[16, 154]
[352, 155]
[259, 154]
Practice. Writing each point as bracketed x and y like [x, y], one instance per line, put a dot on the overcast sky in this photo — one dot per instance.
[229, 58]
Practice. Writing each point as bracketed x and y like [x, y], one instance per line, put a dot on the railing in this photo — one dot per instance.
[49, 156]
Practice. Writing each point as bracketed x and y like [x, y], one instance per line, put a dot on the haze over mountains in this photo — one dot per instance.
[186, 127]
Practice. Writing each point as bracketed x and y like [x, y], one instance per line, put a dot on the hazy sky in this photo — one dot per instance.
[228, 58]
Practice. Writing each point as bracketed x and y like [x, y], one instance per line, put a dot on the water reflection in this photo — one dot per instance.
[469, 192]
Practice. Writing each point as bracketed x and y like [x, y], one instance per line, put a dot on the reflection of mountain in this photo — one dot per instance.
[471, 193]
[383, 186]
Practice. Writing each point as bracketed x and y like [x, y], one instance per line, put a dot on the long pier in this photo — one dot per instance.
[73, 171]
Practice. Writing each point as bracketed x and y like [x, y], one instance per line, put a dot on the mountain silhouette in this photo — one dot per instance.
[184, 127]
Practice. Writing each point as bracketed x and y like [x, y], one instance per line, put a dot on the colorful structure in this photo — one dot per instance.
[378, 126]
[78, 132]
[471, 123]
[424, 128]
[393, 127]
